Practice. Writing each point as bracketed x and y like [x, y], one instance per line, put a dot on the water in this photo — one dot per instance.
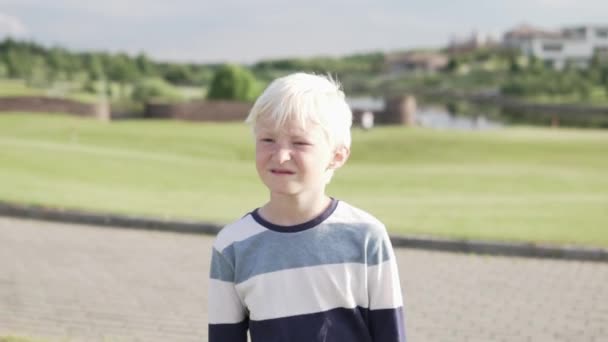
[373, 104]
[433, 116]
[463, 115]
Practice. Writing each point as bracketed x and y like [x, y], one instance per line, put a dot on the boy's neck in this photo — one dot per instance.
[293, 210]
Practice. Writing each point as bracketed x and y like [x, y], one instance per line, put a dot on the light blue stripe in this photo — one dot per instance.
[327, 244]
[221, 268]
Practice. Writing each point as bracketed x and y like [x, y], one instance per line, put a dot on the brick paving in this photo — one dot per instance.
[61, 282]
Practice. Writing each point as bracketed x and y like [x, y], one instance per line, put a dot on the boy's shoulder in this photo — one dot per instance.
[348, 214]
[238, 230]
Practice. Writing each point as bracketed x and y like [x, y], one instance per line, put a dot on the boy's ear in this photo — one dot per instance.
[340, 157]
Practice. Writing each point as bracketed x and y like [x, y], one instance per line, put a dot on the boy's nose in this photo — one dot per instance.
[283, 155]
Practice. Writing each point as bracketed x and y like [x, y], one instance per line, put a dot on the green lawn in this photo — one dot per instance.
[18, 339]
[66, 89]
[13, 87]
[523, 184]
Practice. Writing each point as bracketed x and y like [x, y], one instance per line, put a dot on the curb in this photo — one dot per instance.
[530, 250]
[37, 212]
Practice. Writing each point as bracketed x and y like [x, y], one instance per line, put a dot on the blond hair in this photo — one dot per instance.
[306, 98]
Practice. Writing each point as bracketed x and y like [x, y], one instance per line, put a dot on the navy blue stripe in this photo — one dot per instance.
[299, 227]
[337, 325]
[228, 332]
[330, 243]
[387, 325]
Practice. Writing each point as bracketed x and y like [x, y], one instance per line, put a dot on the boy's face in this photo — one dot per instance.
[293, 160]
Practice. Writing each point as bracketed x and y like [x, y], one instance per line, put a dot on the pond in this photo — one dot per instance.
[439, 117]
[436, 116]
[465, 115]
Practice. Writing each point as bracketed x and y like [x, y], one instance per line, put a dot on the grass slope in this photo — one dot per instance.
[518, 184]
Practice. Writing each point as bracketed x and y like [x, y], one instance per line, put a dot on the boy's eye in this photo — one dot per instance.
[266, 140]
[302, 143]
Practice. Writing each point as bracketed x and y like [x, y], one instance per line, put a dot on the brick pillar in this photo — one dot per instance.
[401, 111]
[102, 111]
[408, 111]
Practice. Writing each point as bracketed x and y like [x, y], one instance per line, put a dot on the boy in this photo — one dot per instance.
[304, 266]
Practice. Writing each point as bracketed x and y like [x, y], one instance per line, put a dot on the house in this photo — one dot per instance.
[574, 45]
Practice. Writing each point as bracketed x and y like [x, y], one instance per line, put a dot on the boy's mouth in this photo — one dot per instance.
[281, 172]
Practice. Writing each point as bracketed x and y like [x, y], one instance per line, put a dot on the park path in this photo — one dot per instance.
[66, 282]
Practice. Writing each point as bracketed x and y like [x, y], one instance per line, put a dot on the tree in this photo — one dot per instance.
[453, 64]
[17, 63]
[37, 75]
[515, 64]
[145, 65]
[122, 70]
[536, 65]
[178, 74]
[598, 70]
[58, 62]
[94, 67]
[232, 82]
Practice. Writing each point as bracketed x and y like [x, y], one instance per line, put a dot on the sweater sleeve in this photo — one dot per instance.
[228, 319]
[386, 321]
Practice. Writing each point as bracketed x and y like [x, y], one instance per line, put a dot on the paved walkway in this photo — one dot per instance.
[75, 283]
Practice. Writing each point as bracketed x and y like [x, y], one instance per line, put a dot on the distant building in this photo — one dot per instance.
[474, 41]
[415, 61]
[575, 45]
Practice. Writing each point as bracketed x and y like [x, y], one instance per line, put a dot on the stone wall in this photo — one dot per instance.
[199, 110]
[54, 105]
[398, 111]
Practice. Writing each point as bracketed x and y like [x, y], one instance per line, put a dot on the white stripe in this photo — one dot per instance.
[346, 213]
[224, 306]
[384, 286]
[305, 290]
[237, 231]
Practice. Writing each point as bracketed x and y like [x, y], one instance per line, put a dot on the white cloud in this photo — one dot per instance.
[244, 30]
[12, 26]
[113, 8]
[559, 3]
[120, 8]
[555, 3]
[580, 5]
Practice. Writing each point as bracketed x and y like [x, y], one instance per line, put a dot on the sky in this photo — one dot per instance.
[242, 31]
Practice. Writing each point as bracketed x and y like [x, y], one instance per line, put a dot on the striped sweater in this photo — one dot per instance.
[332, 279]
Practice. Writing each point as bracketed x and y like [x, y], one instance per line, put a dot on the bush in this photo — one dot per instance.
[553, 84]
[90, 87]
[155, 89]
[232, 82]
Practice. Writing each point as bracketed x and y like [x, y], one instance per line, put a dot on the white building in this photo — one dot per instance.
[575, 45]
